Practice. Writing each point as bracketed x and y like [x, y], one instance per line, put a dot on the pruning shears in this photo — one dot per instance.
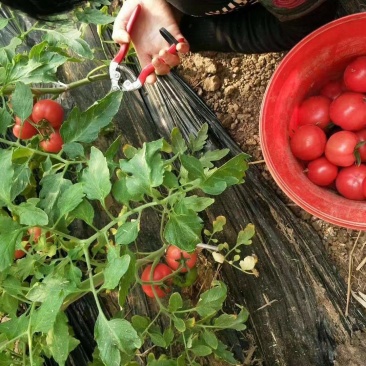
[114, 67]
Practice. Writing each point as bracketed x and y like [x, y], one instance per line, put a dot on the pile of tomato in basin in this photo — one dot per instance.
[330, 136]
[313, 123]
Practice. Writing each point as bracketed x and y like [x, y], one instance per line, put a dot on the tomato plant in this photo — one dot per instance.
[175, 258]
[308, 142]
[348, 111]
[354, 75]
[158, 274]
[52, 143]
[79, 208]
[49, 111]
[340, 148]
[321, 171]
[350, 180]
[315, 111]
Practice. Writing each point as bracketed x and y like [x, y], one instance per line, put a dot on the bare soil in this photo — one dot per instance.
[233, 86]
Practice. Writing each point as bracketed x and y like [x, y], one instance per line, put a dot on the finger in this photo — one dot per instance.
[120, 34]
[183, 47]
[168, 58]
[161, 67]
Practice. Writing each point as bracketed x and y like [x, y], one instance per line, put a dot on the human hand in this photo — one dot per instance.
[150, 46]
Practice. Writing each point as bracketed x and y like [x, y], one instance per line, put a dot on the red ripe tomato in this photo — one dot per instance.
[364, 187]
[160, 272]
[348, 111]
[355, 75]
[362, 144]
[349, 182]
[314, 111]
[20, 253]
[24, 130]
[175, 257]
[340, 148]
[35, 232]
[50, 111]
[332, 89]
[308, 142]
[53, 143]
[322, 172]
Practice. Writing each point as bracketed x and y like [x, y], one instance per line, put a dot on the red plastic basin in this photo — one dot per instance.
[318, 58]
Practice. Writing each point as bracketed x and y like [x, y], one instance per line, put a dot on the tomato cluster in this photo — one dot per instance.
[330, 136]
[176, 260]
[46, 119]
[33, 236]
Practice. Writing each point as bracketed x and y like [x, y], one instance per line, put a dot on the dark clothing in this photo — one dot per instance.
[249, 26]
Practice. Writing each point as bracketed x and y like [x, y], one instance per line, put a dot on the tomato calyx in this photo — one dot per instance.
[186, 279]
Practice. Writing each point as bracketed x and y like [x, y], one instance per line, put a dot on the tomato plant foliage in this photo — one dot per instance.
[51, 192]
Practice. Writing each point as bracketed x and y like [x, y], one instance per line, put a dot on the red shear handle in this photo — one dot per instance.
[149, 69]
[124, 47]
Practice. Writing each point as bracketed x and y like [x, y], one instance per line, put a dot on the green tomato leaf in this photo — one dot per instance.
[3, 23]
[7, 172]
[5, 120]
[84, 211]
[15, 326]
[128, 232]
[70, 198]
[212, 155]
[22, 101]
[140, 323]
[158, 339]
[59, 341]
[232, 172]
[8, 305]
[31, 215]
[201, 350]
[179, 324]
[197, 143]
[114, 271]
[145, 169]
[10, 236]
[225, 355]
[115, 336]
[184, 230]
[85, 126]
[175, 302]
[95, 178]
[51, 294]
[127, 280]
[40, 68]
[93, 16]
[178, 143]
[170, 180]
[22, 175]
[7, 53]
[210, 339]
[168, 335]
[232, 321]
[212, 300]
[53, 186]
[196, 203]
[73, 150]
[193, 167]
[70, 38]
